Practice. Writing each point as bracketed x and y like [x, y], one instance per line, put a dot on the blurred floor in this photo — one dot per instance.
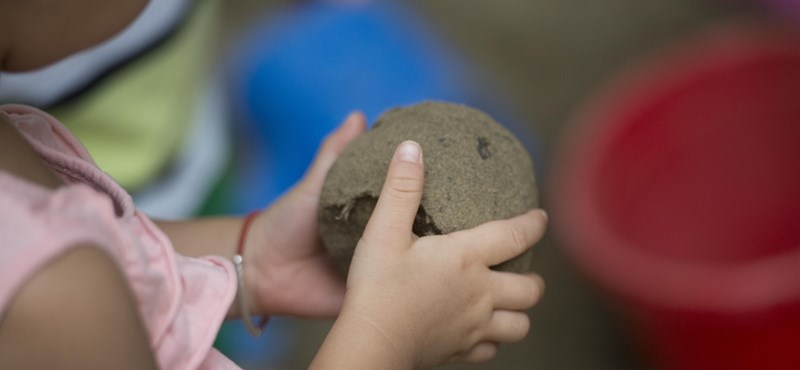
[544, 57]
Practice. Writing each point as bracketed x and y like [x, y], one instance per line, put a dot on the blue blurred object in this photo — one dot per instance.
[297, 74]
[265, 352]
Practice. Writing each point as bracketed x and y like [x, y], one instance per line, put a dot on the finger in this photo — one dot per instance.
[333, 145]
[499, 241]
[508, 326]
[516, 291]
[481, 352]
[402, 192]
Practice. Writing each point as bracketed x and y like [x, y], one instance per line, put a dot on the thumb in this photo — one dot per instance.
[399, 200]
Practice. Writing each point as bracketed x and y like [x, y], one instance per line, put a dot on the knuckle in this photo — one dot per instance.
[484, 304]
[404, 186]
[474, 336]
[453, 253]
[464, 261]
[520, 328]
[482, 353]
[519, 241]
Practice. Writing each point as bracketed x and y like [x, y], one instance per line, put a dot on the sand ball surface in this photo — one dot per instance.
[475, 171]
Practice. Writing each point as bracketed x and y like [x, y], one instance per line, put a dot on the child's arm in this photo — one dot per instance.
[76, 313]
[203, 236]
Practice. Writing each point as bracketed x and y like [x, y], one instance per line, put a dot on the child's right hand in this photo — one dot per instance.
[419, 302]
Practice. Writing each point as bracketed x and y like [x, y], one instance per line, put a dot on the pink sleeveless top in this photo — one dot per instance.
[182, 300]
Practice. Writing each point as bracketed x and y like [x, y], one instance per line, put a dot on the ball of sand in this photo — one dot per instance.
[475, 171]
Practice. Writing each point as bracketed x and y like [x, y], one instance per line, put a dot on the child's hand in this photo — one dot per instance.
[288, 271]
[426, 301]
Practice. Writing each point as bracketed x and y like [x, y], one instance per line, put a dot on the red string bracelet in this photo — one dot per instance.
[240, 293]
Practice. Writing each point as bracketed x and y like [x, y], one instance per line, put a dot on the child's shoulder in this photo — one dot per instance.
[18, 158]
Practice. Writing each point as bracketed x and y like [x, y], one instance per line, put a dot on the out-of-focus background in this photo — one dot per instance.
[534, 63]
[664, 134]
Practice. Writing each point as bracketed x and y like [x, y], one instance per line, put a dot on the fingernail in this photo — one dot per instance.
[543, 213]
[409, 151]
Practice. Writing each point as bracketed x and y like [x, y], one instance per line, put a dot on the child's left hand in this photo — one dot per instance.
[287, 268]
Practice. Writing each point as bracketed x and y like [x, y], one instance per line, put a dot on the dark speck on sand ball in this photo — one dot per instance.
[475, 171]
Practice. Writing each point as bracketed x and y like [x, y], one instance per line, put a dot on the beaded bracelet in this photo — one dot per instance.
[240, 293]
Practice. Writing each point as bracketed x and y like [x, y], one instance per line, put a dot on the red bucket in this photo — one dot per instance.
[679, 191]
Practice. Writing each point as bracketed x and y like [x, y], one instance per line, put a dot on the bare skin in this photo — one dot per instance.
[408, 303]
[69, 316]
[36, 33]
